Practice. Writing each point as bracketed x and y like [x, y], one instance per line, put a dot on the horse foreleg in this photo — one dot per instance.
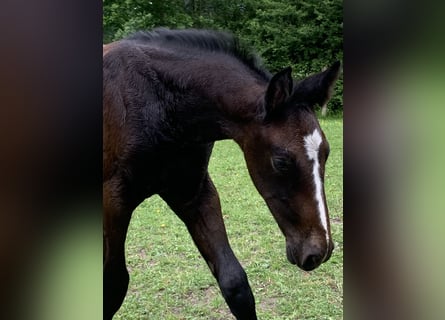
[204, 221]
[115, 274]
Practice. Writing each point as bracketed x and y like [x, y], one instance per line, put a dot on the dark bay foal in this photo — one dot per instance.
[167, 96]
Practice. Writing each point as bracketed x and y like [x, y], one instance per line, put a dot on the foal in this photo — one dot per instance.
[167, 96]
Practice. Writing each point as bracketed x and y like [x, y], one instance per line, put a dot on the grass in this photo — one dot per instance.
[169, 279]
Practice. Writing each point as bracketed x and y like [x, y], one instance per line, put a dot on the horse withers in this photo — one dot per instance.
[168, 95]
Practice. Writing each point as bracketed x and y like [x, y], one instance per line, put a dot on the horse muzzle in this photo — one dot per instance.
[310, 256]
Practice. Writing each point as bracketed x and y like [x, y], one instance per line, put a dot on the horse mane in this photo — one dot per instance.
[204, 40]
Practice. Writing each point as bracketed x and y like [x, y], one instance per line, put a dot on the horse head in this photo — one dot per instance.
[286, 152]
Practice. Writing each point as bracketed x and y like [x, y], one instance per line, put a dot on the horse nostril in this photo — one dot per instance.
[311, 262]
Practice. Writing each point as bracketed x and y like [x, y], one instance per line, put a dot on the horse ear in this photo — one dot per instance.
[279, 89]
[318, 88]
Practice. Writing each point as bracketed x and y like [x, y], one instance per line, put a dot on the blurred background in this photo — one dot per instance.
[394, 155]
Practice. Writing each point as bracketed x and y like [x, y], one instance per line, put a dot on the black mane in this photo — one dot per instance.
[205, 40]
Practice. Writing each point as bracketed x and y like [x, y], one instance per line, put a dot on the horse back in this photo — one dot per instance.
[109, 46]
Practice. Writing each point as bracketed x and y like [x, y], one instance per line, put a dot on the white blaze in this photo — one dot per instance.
[312, 144]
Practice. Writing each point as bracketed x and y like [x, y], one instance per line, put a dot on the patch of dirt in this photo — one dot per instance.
[203, 299]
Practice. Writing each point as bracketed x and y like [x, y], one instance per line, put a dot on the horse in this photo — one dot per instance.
[168, 95]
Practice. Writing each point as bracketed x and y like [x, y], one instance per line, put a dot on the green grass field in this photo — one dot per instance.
[169, 279]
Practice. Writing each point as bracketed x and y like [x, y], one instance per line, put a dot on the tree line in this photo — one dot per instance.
[304, 34]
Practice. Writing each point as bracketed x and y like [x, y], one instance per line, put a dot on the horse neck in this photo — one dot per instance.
[225, 101]
[223, 113]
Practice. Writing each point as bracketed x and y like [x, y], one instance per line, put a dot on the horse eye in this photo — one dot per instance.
[282, 163]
